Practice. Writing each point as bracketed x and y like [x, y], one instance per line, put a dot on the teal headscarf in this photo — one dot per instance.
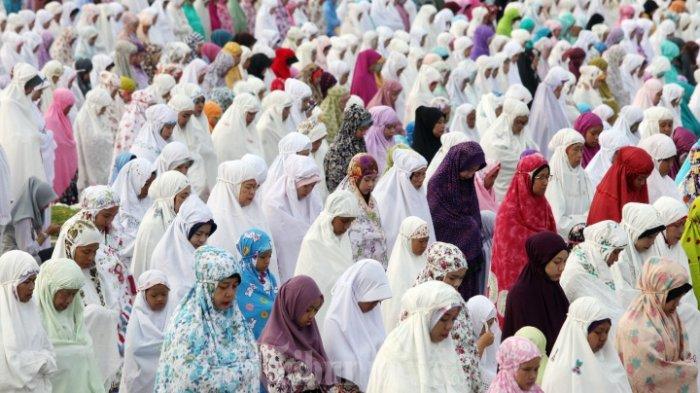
[528, 24]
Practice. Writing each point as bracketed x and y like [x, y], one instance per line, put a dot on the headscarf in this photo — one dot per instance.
[353, 337]
[521, 215]
[599, 370]
[284, 57]
[28, 359]
[128, 185]
[689, 242]
[548, 113]
[233, 126]
[282, 332]
[660, 147]
[482, 37]
[36, 197]
[536, 337]
[60, 124]
[648, 339]
[546, 302]
[616, 188]
[224, 355]
[513, 352]
[646, 95]
[424, 140]
[364, 82]
[346, 145]
[376, 142]
[583, 123]
[149, 143]
[257, 290]
[332, 110]
[384, 96]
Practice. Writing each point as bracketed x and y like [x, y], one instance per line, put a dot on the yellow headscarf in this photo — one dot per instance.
[234, 74]
[690, 243]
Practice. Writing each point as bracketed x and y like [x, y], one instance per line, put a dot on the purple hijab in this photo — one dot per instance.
[377, 144]
[482, 37]
[282, 332]
[535, 300]
[684, 141]
[582, 124]
[454, 206]
[363, 83]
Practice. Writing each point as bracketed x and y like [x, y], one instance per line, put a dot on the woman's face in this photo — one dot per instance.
[247, 192]
[285, 112]
[612, 258]
[394, 95]
[225, 293]
[665, 165]
[644, 243]
[674, 231]
[444, 325]
[157, 297]
[146, 186]
[262, 262]
[180, 197]
[432, 86]
[63, 298]
[639, 182]
[167, 131]
[344, 78]
[439, 127]
[341, 224]
[455, 278]
[305, 190]
[519, 123]
[419, 245]
[526, 375]
[540, 182]
[598, 336]
[366, 184]
[671, 305]
[25, 289]
[249, 117]
[469, 172]
[657, 98]
[67, 109]
[490, 178]
[103, 219]
[471, 119]
[305, 319]
[390, 131]
[555, 267]
[315, 145]
[418, 178]
[366, 307]
[200, 237]
[84, 256]
[360, 132]
[666, 127]
[575, 153]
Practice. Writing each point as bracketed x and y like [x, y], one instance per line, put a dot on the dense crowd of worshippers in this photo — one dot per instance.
[348, 196]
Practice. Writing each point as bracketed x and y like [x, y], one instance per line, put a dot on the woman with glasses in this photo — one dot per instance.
[524, 212]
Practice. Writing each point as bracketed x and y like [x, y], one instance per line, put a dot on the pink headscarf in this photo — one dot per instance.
[486, 197]
[383, 96]
[209, 51]
[582, 124]
[57, 121]
[645, 96]
[377, 144]
[364, 83]
[513, 352]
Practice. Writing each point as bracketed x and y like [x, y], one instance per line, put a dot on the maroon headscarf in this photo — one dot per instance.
[582, 124]
[576, 57]
[282, 332]
[363, 83]
[684, 140]
[535, 300]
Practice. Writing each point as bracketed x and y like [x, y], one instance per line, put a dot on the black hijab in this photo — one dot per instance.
[83, 67]
[528, 75]
[535, 300]
[259, 62]
[424, 141]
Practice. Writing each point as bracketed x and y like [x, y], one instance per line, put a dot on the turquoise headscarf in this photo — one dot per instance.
[257, 291]
[528, 24]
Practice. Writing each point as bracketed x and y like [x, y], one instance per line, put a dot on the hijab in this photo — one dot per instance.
[660, 147]
[35, 198]
[513, 352]
[546, 302]
[583, 123]
[548, 113]
[57, 121]
[149, 143]
[424, 140]
[346, 145]
[376, 142]
[364, 83]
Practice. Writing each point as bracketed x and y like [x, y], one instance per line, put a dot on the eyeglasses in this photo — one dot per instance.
[543, 177]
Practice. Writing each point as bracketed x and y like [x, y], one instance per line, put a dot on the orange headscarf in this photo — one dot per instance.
[213, 112]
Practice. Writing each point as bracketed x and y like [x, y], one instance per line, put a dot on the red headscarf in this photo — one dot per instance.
[364, 84]
[284, 57]
[521, 215]
[576, 57]
[616, 189]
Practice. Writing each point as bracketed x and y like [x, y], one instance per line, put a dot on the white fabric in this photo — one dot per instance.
[291, 144]
[403, 269]
[5, 190]
[27, 359]
[481, 310]
[397, 198]
[628, 117]
[172, 156]
[323, 255]
[459, 124]
[420, 93]
[157, 219]
[660, 147]
[569, 192]
[174, 254]
[272, 127]
[636, 219]
[352, 338]
[409, 360]
[599, 371]
[128, 185]
[610, 142]
[232, 127]
[585, 92]
[447, 140]
[652, 116]
[502, 145]
[20, 134]
[628, 73]
[144, 336]
[94, 136]
[548, 111]
[298, 91]
[149, 143]
[291, 217]
[587, 273]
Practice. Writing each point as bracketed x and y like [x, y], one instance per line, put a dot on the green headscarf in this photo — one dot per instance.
[604, 89]
[390, 154]
[240, 22]
[505, 25]
[332, 112]
[690, 241]
[536, 337]
[193, 18]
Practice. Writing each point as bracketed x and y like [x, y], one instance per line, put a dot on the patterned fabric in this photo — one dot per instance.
[134, 117]
[652, 343]
[513, 352]
[691, 245]
[690, 183]
[366, 234]
[345, 146]
[206, 349]
[332, 109]
[62, 48]
[444, 258]
[223, 96]
[285, 374]
[258, 290]
[79, 230]
[216, 73]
